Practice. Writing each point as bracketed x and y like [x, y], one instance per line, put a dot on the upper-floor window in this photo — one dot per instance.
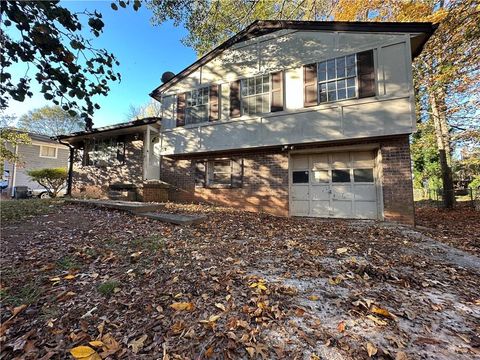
[255, 95]
[337, 78]
[48, 151]
[196, 107]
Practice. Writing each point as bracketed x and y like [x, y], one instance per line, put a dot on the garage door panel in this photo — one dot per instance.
[321, 208]
[366, 209]
[342, 192]
[342, 209]
[300, 162]
[365, 192]
[320, 162]
[320, 192]
[300, 207]
[340, 160]
[300, 192]
[363, 159]
[335, 184]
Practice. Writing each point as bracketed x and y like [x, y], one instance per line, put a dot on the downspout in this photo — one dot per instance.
[70, 167]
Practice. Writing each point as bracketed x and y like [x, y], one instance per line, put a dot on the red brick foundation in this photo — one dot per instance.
[265, 180]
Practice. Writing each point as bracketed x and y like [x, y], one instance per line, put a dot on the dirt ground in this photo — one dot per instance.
[238, 286]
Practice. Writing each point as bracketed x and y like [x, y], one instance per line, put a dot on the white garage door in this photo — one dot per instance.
[340, 185]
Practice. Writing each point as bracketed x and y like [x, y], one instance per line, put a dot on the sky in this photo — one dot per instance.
[145, 52]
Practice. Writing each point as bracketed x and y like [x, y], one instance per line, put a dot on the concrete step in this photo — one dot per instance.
[130, 206]
[178, 219]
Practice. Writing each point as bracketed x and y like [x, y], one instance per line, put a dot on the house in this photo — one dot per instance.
[42, 152]
[297, 118]
[116, 161]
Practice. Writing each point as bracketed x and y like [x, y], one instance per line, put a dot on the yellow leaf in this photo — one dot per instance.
[336, 280]
[186, 306]
[84, 353]
[371, 349]
[213, 318]
[250, 351]
[55, 279]
[220, 306]
[378, 310]
[342, 250]
[313, 297]
[69, 277]
[96, 343]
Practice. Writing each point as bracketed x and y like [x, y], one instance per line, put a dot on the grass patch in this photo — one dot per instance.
[28, 294]
[151, 243]
[108, 287]
[66, 263]
[17, 210]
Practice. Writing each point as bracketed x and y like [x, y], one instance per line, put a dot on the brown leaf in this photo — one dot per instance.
[137, 345]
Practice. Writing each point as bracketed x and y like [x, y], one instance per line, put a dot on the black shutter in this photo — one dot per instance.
[366, 74]
[235, 99]
[181, 109]
[237, 173]
[200, 173]
[213, 100]
[277, 91]
[310, 84]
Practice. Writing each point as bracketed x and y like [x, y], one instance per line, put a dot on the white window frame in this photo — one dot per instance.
[189, 94]
[48, 157]
[255, 95]
[336, 79]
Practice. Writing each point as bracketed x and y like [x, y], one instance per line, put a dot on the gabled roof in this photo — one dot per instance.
[120, 126]
[262, 27]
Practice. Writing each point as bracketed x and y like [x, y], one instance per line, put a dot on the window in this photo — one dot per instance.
[255, 94]
[48, 151]
[339, 176]
[196, 108]
[321, 176]
[363, 175]
[300, 177]
[337, 78]
[104, 152]
[226, 173]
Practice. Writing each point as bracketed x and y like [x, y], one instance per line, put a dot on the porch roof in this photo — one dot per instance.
[129, 127]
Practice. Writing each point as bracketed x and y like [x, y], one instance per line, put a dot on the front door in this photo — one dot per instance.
[338, 184]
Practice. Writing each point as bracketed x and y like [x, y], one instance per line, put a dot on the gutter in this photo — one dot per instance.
[70, 166]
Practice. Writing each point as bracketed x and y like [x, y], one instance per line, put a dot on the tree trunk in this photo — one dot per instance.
[437, 103]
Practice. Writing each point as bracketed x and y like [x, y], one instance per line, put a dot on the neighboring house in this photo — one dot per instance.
[115, 159]
[43, 152]
[297, 118]
[292, 118]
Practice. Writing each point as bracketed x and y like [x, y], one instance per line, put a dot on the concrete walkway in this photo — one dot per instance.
[148, 210]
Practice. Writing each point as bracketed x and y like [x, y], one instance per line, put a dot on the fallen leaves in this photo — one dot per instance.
[183, 306]
[84, 353]
[371, 349]
[137, 345]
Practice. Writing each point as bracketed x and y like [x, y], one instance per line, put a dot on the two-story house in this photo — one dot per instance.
[297, 118]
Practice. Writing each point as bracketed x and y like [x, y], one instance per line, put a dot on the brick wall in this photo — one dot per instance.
[93, 181]
[397, 180]
[265, 182]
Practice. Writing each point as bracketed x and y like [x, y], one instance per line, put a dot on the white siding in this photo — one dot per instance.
[390, 112]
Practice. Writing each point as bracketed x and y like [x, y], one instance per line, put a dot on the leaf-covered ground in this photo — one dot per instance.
[238, 286]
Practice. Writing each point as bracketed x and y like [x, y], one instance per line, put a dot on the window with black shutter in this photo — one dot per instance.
[219, 173]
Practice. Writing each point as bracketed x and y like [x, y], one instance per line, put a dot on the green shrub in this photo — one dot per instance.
[51, 179]
[475, 183]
